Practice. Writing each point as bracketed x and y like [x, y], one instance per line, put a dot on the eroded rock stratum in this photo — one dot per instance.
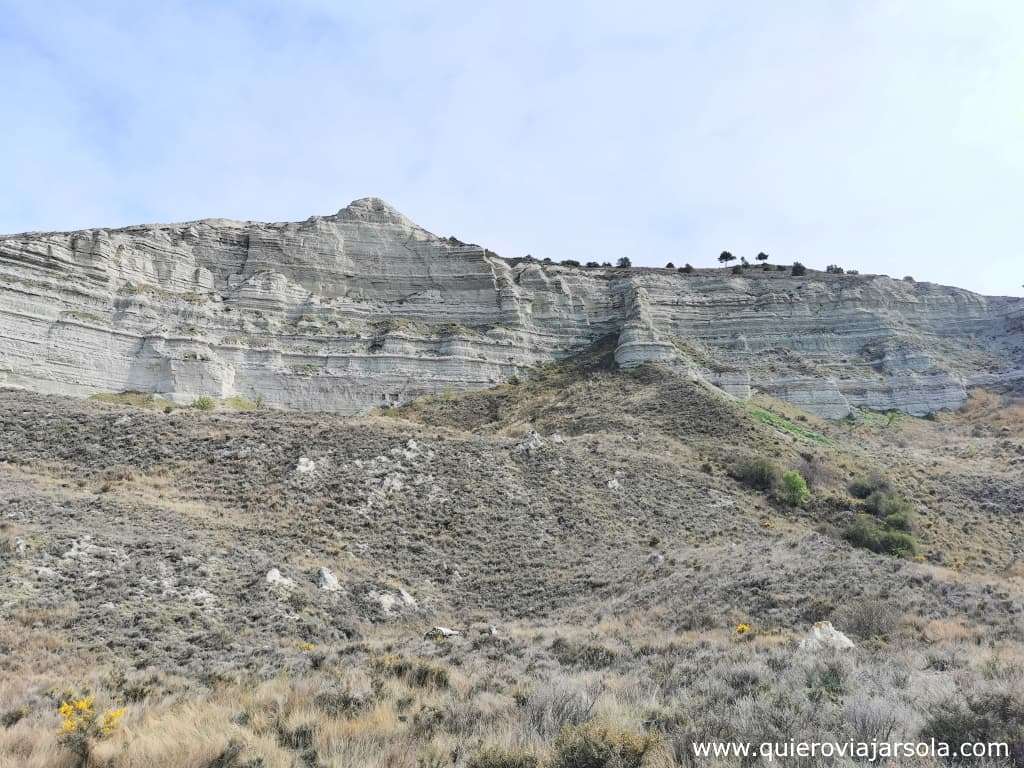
[365, 308]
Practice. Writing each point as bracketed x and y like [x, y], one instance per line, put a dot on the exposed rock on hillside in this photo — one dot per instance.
[365, 308]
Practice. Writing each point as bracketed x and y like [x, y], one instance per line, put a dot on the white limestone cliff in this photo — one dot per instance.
[365, 308]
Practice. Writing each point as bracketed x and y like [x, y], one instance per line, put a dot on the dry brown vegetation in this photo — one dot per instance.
[615, 558]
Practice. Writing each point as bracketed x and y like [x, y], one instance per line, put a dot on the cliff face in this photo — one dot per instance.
[365, 308]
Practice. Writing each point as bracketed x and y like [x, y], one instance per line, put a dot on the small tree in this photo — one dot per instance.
[794, 489]
[744, 262]
[592, 264]
[670, 265]
[798, 269]
[726, 257]
[625, 263]
[762, 256]
[835, 269]
[570, 263]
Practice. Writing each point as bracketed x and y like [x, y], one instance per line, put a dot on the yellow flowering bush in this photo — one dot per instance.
[80, 720]
[743, 629]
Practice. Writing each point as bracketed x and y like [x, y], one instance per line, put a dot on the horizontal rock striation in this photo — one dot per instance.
[365, 308]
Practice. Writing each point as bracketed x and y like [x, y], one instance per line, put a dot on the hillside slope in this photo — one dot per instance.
[597, 518]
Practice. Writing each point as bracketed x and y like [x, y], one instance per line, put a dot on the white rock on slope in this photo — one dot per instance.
[824, 636]
[364, 308]
[327, 581]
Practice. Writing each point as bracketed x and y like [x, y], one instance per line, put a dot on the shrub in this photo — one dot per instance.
[794, 489]
[670, 265]
[416, 672]
[737, 270]
[625, 263]
[834, 269]
[866, 532]
[862, 487]
[868, 618]
[757, 472]
[586, 655]
[799, 270]
[826, 680]
[987, 716]
[81, 723]
[897, 521]
[500, 758]
[597, 745]
[686, 268]
[592, 264]
[780, 267]
[560, 703]
[883, 504]
[908, 279]
[570, 263]
[203, 403]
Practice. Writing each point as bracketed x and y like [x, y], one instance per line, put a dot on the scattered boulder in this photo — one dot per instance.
[305, 466]
[614, 484]
[390, 602]
[533, 443]
[824, 636]
[440, 633]
[656, 559]
[327, 581]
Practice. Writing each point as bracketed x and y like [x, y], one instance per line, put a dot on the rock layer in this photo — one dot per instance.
[365, 308]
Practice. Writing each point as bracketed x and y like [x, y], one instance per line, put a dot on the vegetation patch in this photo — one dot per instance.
[783, 424]
[145, 400]
[597, 745]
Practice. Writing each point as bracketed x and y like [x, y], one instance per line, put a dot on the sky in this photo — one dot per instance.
[882, 136]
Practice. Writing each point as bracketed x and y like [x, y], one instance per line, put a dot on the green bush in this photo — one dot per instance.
[883, 504]
[794, 489]
[863, 487]
[204, 403]
[595, 745]
[868, 533]
[898, 521]
[757, 472]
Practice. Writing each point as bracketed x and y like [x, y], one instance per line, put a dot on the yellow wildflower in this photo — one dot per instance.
[111, 719]
[742, 629]
[84, 704]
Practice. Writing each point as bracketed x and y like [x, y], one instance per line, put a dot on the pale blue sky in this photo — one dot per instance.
[886, 136]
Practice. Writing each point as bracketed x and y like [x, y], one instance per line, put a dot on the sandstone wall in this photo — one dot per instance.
[364, 308]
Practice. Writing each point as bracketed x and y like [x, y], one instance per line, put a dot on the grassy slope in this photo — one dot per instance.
[147, 535]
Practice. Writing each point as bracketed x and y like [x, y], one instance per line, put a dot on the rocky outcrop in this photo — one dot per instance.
[365, 308]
